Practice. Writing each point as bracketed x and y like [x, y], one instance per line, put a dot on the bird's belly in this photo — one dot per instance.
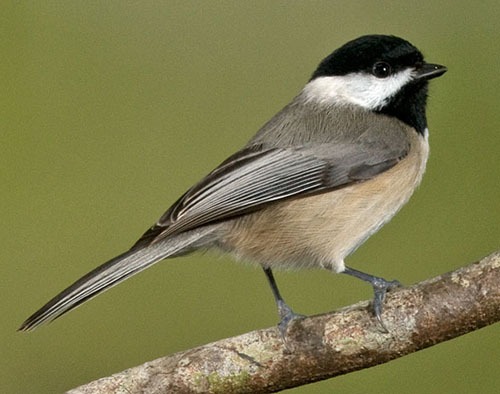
[321, 230]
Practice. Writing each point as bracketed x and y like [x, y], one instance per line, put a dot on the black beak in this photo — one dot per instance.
[428, 71]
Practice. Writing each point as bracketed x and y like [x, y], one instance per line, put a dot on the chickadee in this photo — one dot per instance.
[312, 185]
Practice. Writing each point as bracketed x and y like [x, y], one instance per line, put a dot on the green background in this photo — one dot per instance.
[110, 110]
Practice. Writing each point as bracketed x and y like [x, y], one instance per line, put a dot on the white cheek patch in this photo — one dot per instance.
[426, 134]
[361, 89]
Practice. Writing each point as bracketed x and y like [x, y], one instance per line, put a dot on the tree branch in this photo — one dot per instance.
[324, 346]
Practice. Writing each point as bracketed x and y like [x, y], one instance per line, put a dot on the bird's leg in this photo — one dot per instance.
[380, 287]
[285, 312]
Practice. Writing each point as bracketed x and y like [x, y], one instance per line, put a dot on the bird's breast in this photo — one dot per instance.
[321, 230]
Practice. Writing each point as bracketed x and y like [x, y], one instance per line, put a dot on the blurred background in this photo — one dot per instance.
[112, 109]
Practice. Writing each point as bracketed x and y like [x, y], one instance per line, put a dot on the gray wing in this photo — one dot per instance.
[253, 178]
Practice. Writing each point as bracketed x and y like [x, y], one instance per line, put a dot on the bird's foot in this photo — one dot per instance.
[380, 288]
[287, 315]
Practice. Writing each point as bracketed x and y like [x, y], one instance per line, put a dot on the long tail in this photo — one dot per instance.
[104, 277]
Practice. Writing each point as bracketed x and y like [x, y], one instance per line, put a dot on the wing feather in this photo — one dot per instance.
[274, 175]
[254, 178]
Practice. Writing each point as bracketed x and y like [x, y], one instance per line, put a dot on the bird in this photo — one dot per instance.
[316, 181]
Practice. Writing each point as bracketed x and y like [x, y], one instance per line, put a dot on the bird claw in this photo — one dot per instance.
[380, 288]
[287, 315]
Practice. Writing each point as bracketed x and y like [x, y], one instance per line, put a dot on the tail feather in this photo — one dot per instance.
[100, 279]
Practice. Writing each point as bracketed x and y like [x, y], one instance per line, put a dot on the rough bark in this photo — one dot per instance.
[324, 346]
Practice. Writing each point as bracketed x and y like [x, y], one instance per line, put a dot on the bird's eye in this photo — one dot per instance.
[381, 69]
